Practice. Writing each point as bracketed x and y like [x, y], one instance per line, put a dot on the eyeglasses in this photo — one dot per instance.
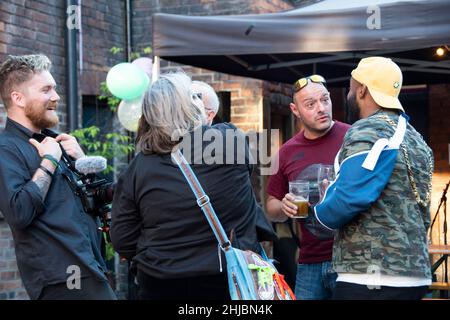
[301, 83]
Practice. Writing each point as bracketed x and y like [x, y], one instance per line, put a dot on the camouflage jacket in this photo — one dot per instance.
[391, 236]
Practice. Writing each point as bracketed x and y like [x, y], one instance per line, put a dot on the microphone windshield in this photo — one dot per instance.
[92, 164]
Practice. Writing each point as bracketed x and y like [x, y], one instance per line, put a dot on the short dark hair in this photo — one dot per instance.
[19, 69]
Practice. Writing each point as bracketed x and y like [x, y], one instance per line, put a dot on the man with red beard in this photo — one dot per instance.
[301, 158]
[56, 242]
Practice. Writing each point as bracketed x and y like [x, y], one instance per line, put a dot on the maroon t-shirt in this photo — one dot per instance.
[299, 159]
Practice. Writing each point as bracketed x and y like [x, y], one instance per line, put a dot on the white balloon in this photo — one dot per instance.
[129, 113]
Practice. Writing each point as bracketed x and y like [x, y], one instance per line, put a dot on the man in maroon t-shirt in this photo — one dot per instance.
[299, 159]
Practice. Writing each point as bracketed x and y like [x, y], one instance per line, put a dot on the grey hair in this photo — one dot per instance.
[168, 113]
[210, 98]
[18, 69]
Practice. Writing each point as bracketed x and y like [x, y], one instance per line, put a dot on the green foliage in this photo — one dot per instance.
[115, 50]
[109, 250]
[135, 55]
[108, 146]
[112, 101]
[147, 50]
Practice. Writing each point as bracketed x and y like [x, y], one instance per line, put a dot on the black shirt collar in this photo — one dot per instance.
[25, 133]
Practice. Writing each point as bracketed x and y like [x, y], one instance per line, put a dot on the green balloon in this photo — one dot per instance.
[126, 81]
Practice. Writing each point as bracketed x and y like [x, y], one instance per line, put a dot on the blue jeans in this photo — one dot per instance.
[315, 281]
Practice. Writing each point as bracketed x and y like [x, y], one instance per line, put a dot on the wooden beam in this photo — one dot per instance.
[440, 286]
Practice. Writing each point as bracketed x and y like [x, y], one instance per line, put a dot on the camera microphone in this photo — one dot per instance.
[90, 164]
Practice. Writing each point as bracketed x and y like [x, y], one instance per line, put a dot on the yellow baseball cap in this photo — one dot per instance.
[383, 78]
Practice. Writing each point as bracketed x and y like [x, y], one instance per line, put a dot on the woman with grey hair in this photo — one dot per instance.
[170, 110]
[156, 221]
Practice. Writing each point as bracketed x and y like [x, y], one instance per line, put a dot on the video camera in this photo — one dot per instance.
[95, 193]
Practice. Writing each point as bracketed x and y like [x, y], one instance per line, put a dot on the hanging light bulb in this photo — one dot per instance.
[440, 51]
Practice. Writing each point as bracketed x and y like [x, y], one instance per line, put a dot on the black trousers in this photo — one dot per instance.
[285, 253]
[90, 289]
[352, 291]
[213, 287]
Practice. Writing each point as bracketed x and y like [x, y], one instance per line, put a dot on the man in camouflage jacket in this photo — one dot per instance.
[381, 212]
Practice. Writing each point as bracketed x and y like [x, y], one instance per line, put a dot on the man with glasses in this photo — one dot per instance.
[300, 159]
[209, 97]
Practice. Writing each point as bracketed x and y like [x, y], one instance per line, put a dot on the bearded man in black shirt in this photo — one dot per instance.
[56, 242]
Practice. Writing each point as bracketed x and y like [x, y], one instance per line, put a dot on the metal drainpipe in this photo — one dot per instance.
[128, 35]
[71, 71]
[132, 289]
[128, 46]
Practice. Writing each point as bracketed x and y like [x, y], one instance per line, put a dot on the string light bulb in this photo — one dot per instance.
[440, 51]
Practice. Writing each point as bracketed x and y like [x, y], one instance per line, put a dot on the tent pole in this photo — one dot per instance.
[155, 68]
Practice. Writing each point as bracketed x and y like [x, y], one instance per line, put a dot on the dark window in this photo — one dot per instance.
[223, 115]
[97, 113]
[415, 102]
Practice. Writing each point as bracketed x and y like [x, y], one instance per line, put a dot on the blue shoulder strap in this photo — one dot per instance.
[360, 180]
[202, 199]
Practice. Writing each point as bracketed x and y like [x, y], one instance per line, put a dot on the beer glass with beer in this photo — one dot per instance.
[300, 190]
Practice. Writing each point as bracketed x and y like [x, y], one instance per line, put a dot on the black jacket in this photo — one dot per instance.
[50, 234]
[157, 223]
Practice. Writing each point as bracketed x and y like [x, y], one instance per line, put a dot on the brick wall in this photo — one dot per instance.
[10, 284]
[25, 29]
[439, 133]
[246, 94]
[247, 102]
[143, 10]
[103, 24]
[265, 6]
[102, 28]
[439, 115]
[304, 3]
[38, 27]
